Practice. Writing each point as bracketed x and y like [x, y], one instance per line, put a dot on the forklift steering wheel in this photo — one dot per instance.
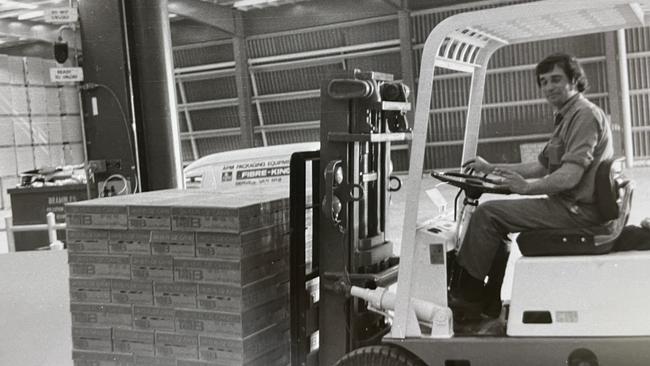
[473, 185]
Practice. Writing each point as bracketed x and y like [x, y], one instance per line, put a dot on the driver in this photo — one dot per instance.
[564, 174]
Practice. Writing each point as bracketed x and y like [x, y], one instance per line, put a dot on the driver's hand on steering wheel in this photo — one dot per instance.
[478, 164]
[514, 181]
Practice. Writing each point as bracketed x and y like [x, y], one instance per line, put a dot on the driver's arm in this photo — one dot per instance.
[531, 169]
[562, 179]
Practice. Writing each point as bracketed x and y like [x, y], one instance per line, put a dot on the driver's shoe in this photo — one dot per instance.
[465, 310]
[465, 298]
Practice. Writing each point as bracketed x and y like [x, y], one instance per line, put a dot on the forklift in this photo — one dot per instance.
[572, 301]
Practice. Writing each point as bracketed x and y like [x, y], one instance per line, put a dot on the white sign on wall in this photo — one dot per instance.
[61, 15]
[66, 74]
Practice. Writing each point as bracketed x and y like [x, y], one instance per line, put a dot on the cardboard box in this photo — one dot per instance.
[157, 268]
[88, 358]
[40, 130]
[241, 245]
[5, 75]
[56, 155]
[34, 71]
[71, 129]
[101, 315]
[84, 216]
[55, 130]
[111, 212]
[176, 295]
[177, 345]
[90, 290]
[92, 339]
[8, 164]
[132, 292]
[37, 100]
[16, 70]
[140, 342]
[176, 244]
[149, 217]
[69, 100]
[24, 158]
[211, 219]
[150, 317]
[87, 241]
[234, 298]
[129, 242]
[99, 266]
[7, 128]
[19, 100]
[22, 131]
[53, 101]
[141, 360]
[73, 153]
[238, 272]
[42, 158]
[279, 356]
[231, 324]
[244, 349]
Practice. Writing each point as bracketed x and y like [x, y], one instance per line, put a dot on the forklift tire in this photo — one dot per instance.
[380, 355]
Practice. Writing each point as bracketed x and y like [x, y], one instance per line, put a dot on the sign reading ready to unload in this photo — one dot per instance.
[66, 74]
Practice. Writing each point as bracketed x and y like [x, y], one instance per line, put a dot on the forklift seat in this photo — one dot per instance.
[613, 197]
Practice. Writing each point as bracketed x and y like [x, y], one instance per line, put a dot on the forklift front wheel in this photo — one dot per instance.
[380, 355]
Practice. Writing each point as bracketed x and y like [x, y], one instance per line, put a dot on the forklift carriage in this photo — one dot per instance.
[569, 306]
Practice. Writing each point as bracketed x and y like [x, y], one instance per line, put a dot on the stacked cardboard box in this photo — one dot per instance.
[179, 278]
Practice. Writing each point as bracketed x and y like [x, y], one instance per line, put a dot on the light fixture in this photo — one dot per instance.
[31, 15]
[10, 5]
[11, 14]
[245, 5]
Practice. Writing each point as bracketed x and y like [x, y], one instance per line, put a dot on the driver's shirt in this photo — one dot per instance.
[582, 136]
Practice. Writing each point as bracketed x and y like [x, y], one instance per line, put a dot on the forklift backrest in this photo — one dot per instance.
[609, 181]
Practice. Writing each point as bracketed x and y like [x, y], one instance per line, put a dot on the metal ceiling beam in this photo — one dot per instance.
[397, 4]
[218, 16]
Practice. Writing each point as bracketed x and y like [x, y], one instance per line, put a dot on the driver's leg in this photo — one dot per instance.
[492, 291]
[488, 228]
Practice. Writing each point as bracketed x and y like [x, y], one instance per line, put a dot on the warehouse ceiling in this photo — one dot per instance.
[22, 23]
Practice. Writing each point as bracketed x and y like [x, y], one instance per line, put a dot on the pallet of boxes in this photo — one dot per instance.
[179, 278]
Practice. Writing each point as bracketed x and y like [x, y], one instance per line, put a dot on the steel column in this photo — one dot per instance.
[625, 98]
[242, 75]
[154, 92]
[107, 111]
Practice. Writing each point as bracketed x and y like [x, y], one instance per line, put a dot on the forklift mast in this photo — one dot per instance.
[361, 114]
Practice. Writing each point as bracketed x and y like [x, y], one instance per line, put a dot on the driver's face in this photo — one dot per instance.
[556, 87]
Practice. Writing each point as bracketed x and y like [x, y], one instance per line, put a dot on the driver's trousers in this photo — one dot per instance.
[492, 221]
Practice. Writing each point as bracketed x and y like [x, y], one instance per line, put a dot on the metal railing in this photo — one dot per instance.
[51, 227]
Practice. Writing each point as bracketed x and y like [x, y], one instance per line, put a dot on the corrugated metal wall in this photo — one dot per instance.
[287, 68]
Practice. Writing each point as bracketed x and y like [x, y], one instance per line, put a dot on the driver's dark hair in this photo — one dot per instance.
[569, 64]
